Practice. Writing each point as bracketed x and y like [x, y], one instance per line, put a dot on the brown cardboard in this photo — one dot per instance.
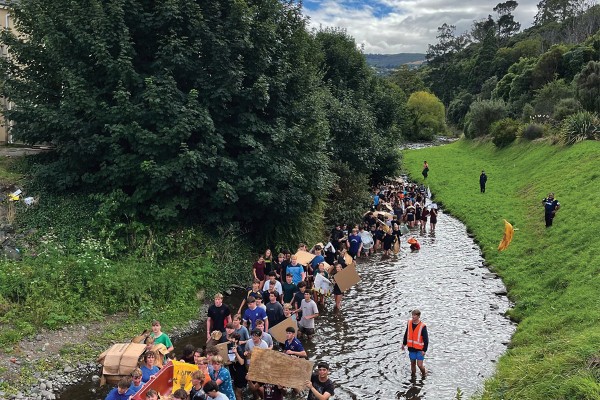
[304, 257]
[347, 277]
[269, 366]
[223, 352]
[278, 331]
[122, 358]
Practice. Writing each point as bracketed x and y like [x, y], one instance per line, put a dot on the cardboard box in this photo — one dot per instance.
[121, 358]
[270, 366]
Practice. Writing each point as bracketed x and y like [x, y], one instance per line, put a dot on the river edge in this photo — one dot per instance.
[42, 366]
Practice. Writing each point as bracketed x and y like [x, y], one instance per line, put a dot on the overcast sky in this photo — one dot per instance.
[405, 26]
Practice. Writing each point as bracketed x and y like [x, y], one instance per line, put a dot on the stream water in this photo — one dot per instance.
[447, 281]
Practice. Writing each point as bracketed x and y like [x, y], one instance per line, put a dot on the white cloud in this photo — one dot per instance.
[411, 25]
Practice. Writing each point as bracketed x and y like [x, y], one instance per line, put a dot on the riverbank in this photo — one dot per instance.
[552, 274]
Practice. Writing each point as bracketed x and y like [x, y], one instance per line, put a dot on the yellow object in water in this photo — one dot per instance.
[508, 235]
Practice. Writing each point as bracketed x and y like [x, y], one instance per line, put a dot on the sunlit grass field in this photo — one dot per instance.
[552, 274]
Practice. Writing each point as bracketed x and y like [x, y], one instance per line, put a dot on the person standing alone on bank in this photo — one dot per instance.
[416, 339]
[425, 169]
[482, 181]
[551, 206]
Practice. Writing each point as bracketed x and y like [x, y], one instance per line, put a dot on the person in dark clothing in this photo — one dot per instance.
[482, 181]
[417, 340]
[320, 386]
[425, 169]
[551, 206]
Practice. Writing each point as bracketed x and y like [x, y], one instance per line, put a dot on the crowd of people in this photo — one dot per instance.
[282, 288]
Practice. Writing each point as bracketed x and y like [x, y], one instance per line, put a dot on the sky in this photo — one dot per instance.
[405, 26]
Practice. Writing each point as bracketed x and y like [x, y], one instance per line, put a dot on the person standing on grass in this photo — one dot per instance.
[482, 181]
[551, 206]
[417, 340]
[425, 169]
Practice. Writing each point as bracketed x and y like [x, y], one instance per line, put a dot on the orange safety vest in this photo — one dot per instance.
[414, 338]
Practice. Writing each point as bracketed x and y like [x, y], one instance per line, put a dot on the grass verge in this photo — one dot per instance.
[552, 274]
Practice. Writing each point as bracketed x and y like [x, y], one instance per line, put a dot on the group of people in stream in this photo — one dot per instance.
[283, 288]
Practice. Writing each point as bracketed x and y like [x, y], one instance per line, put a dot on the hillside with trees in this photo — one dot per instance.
[544, 81]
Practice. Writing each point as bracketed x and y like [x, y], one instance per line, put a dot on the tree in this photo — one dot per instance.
[557, 10]
[428, 115]
[483, 66]
[407, 79]
[548, 96]
[507, 26]
[482, 114]
[481, 28]
[184, 109]
[588, 86]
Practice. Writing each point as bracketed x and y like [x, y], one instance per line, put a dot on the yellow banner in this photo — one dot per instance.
[182, 375]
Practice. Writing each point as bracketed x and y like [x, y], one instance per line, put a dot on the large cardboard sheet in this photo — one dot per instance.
[278, 331]
[270, 366]
[224, 353]
[121, 358]
[304, 257]
[347, 277]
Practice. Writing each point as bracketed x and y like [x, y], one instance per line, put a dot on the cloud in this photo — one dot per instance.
[404, 26]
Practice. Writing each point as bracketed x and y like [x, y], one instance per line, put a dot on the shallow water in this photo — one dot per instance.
[447, 281]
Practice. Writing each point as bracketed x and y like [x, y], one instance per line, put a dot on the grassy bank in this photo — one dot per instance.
[553, 275]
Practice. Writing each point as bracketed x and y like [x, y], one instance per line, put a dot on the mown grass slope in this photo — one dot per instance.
[552, 274]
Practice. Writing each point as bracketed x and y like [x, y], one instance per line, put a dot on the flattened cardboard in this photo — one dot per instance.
[348, 259]
[397, 247]
[304, 257]
[278, 331]
[122, 358]
[223, 352]
[347, 277]
[270, 366]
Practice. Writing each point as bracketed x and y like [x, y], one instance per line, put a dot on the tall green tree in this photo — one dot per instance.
[588, 86]
[507, 26]
[210, 110]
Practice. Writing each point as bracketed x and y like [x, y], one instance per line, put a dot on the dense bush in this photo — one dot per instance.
[481, 115]
[428, 114]
[504, 132]
[581, 126]
[533, 131]
[564, 108]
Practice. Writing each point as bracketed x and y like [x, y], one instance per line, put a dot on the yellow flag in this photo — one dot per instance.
[508, 235]
[182, 375]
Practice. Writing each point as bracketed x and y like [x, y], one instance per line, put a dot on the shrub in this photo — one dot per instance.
[533, 131]
[482, 115]
[504, 132]
[564, 108]
[581, 126]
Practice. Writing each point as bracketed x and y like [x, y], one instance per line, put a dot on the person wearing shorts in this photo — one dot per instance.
[417, 340]
[310, 311]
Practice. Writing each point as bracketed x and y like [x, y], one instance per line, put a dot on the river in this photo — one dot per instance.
[447, 281]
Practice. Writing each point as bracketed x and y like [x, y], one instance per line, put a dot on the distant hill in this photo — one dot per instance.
[390, 61]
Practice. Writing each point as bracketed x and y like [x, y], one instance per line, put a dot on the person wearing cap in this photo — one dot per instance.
[551, 206]
[254, 313]
[317, 250]
[320, 387]
[292, 346]
[482, 181]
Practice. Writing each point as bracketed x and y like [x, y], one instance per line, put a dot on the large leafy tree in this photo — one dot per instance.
[507, 26]
[179, 107]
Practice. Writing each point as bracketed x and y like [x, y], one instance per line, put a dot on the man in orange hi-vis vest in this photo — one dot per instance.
[417, 340]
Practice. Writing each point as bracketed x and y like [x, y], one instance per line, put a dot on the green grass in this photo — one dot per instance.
[553, 275]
